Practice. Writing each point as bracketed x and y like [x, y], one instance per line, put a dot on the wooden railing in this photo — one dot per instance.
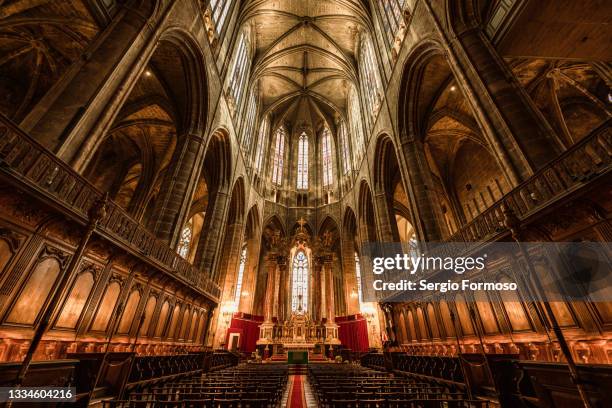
[589, 158]
[26, 160]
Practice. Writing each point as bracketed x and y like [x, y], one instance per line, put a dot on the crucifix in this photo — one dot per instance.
[301, 222]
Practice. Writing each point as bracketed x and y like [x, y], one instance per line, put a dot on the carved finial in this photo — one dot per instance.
[97, 212]
[511, 221]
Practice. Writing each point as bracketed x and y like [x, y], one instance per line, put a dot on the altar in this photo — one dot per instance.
[297, 357]
[293, 320]
[299, 332]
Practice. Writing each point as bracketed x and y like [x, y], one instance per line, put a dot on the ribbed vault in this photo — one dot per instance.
[305, 56]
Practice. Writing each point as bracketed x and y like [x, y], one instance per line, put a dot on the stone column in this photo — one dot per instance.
[278, 292]
[320, 276]
[209, 243]
[174, 200]
[249, 280]
[329, 286]
[331, 328]
[386, 230]
[63, 120]
[266, 328]
[350, 276]
[430, 223]
[271, 267]
[521, 130]
[516, 130]
[230, 261]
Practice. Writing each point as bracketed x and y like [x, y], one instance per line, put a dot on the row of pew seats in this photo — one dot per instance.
[351, 386]
[242, 386]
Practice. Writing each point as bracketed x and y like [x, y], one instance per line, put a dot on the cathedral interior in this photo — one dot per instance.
[188, 187]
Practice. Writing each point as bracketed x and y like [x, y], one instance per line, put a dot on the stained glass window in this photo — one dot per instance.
[302, 170]
[243, 257]
[346, 149]
[249, 120]
[299, 287]
[239, 72]
[356, 125]
[264, 129]
[219, 10]
[185, 240]
[326, 158]
[279, 157]
[391, 13]
[371, 84]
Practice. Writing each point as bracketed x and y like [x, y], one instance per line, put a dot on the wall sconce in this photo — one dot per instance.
[227, 311]
[368, 312]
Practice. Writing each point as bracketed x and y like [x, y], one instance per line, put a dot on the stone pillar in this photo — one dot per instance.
[386, 231]
[63, 120]
[249, 280]
[266, 328]
[331, 328]
[271, 267]
[231, 255]
[328, 270]
[430, 223]
[516, 130]
[278, 292]
[320, 275]
[209, 243]
[519, 128]
[350, 276]
[174, 200]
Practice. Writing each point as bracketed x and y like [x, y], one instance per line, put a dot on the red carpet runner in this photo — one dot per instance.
[297, 398]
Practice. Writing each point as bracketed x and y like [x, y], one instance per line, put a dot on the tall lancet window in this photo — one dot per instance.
[239, 72]
[279, 157]
[299, 286]
[243, 258]
[371, 84]
[346, 149]
[326, 158]
[264, 129]
[356, 126]
[391, 12]
[219, 10]
[302, 170]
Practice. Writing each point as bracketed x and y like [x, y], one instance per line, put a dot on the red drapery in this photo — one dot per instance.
[353, 332]
[248, 327]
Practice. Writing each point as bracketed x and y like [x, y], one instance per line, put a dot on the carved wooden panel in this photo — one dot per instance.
[433, 323]
[162, 320]
[463, 315]
[128, 312]
[33, 294]
[148, 311]
[78, 295]
[448, 324]
[175, 318]
[105, 310]
[487, 316]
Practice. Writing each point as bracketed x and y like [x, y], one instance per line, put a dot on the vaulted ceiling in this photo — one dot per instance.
[305, 56]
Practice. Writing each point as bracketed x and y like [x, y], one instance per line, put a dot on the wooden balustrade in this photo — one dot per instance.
[40, 172]
[586, 160]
